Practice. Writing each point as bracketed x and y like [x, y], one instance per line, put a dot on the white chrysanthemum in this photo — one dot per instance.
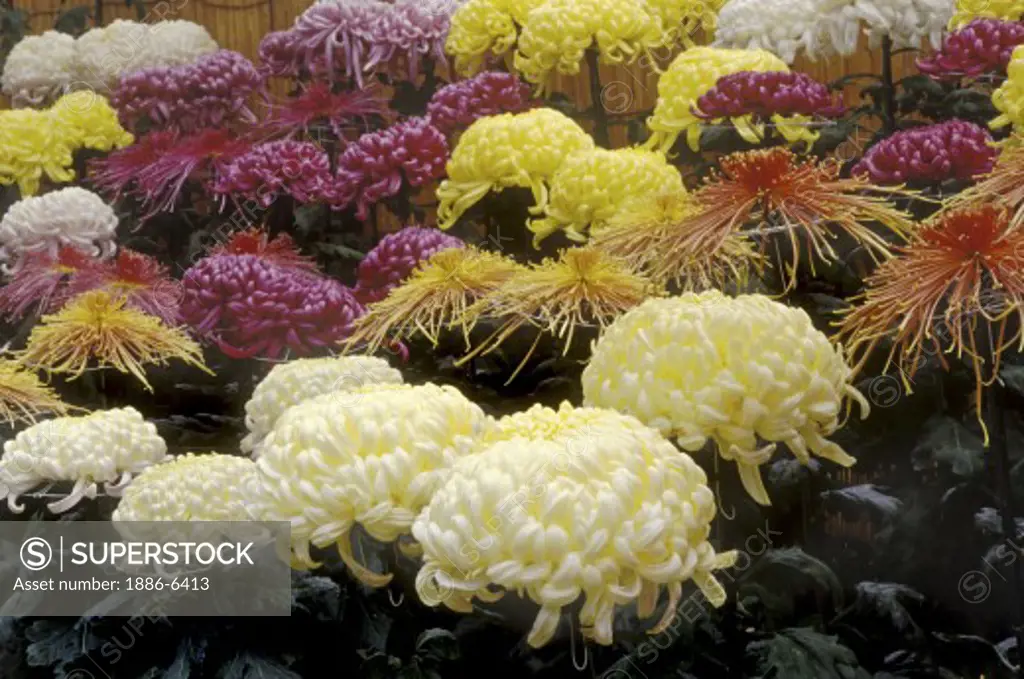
[910, 23]
[746, 372]
[375, 461]
[104, 54]
[176, 43]
[582, 502]
[39, 69]
[68, 217]
[107, 447]
[291, 383]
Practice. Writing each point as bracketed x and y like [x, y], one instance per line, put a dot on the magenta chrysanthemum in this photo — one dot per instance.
[490, 93]
[395, 257]
[279, 53]
[317, 103]
[373, 167]
[411, 30]
[300, 169]
[767, 94]
[250, 306]
[951, 150]
[214, 90]
[982, 46]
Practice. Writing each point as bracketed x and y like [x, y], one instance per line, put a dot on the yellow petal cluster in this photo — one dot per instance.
[745, 372]
[291, 383]
[687, 78]
[106, 447]
[590, 187]
[681, 19]
[482, 26]
[969, 10]
[568, 503]
[374, 461]
[1009, 97]
[190, 487]
[23, 397]
[505, 150]
[89, 121]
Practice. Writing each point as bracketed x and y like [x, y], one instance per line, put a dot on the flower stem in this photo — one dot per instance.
[596, 101]
[888, 89]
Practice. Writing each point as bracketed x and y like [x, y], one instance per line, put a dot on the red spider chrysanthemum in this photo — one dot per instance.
[117, 171]
[141, 280]
[280, 250]
[318, 104]
[962, 270]
[42, 281]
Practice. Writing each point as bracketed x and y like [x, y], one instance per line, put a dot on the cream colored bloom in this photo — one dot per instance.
[175, 43]
[104, 54]
[291, 383]
[39, 69]
[375, 461]
[106, 447]
[68, 217]
[744, 372]
[561, 504]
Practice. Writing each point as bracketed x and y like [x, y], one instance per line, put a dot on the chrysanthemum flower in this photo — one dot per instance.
[908, 23]
[593, 504]
[410, 31]
[954, 149]
[70, 217]
[1009, 98]
[104, 53]
[929, 298]
[38, 69]
[142, 281]
[317, 103]
[251, 306]
[117, 172]
[395, 257]
[87, 120]
[690, 75]
[23, 398]
[461, 103]
[43, 281]
[982, 46]
[663, 237]
[190, 487]
[97, 325]
[31, 147]
[969, 10]
[434, 298]
[107, 447]
[590, 186]
[375, 166]
[175, 43]
[511, 149]
[374, 461]
[265, 172]
[740, 371]
[480, 27]
[1004, 184]
[289, 384]
[280, 250]
[279, 53]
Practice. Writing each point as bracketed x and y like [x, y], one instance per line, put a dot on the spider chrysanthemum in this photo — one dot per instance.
[98, 325]
[23, 397]
[1004, 184]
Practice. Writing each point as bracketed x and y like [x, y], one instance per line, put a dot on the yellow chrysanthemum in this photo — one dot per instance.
[479, 27]
[501, 151]
[97, 325]
[681, 19]
[106, 447]
[23, 397]
[745, 372]
[31, 146]
[583, 502]
[969, 10]
[375, 462]
[291, 383]
[1009, 97]
[87, 120]
[689, 76]
[591, 185]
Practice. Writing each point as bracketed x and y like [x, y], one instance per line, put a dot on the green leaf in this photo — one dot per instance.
[865, 496]
[437, 644]
[308, 216]
[890, 600]
[73, 21]
[248, 666]
[1013, 377]
[945, 441]
[781, 575]
[339, 250]
[802, 653]
[317, 595]
[922, 85]
[52, 643]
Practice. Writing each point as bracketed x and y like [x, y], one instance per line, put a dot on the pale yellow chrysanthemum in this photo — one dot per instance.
[97, 325]
[591, 185]
[107, 447]
[969, 10]
[291, 383]
[745, 372]
[31, 147]
[87, 120]
[375, 462]
[578, 502]
[689, 76]
[501, 151]
[23, 397]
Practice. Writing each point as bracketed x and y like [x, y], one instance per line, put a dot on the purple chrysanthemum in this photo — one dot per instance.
[395, 257]
[765, 95]
[374, 166]
[214, 90]
[299, 169]
[459, 104]
[250, 306]
[412, 30]
[280, 54]
[982, 46]
[955, 149]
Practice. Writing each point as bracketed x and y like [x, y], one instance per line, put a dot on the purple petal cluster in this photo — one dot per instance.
[457, 105]
[299, 169]
[251, 306]
[375, 165]
[955, 149]
[395, 257]
[982, 46]
[213, 91]
[767, 94]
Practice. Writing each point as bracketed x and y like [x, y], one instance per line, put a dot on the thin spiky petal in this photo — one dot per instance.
[1004, 183]
[23, 397]
[42, 281]
[280, 250]
[318, 103]
[142, 280]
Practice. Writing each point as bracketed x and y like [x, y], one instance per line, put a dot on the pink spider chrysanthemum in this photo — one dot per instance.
[40, 282]
[299, 169]
[317, 103]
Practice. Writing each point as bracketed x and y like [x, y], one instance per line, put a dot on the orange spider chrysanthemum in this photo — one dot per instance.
[1004, 183]
[97, 325]
[806, 200]
[23, 397]
[256, 241]
[964, 268]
